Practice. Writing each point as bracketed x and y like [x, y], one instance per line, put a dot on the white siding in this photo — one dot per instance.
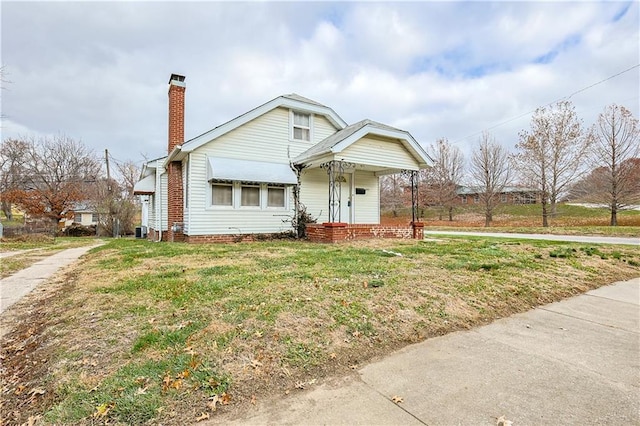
[264, 139]
[314, 193]
[322, 129]
[161, 202]
[377, 152]
[152, 211]
[367, 206]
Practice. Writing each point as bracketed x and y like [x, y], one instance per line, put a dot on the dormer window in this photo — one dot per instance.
[301, 126]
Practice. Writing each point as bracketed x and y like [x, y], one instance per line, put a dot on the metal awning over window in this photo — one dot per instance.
[145, 186]
[249, 171]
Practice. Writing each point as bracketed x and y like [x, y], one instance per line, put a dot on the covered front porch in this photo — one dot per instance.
[345, 172]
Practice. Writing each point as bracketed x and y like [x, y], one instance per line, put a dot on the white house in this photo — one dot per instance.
[251, 175]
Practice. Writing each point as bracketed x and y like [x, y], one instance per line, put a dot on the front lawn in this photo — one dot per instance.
[162, 332]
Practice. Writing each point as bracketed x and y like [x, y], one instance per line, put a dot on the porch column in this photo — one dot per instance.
[335, 170]
[414, 177]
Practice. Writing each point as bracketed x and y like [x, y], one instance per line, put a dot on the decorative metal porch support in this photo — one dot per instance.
[335, 170]
[414, 177]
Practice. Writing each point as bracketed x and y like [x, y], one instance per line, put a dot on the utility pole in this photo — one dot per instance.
[109, 191]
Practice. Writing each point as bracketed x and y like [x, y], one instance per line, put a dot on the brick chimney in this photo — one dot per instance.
[175, 196]
[176, 111]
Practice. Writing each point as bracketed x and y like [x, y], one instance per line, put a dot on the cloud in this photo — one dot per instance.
[99, 71]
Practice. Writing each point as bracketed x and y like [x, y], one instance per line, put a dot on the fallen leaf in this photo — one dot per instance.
[353, 366]
[333, 355]
[33, 420]
[397, 399]
[300, 385]
[203, 416]
[502, 421]
[37, 391]
[258, 333]
[211, 405]
[141, 391]
[225, 398]
[356, 333]
[102, 410]
[253, 399]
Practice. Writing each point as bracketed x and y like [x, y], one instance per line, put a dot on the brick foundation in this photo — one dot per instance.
[335, 232]
[317, 233]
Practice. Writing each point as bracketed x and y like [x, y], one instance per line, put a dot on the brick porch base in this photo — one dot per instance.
[332, 232]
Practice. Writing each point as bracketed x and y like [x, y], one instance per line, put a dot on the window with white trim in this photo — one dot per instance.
[245, 195]
[250, 196]
[222, 194]
[301, 126]
[275, 196]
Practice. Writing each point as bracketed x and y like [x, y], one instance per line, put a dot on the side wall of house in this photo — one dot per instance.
[264, 139]
[158, 208]
[380, 152]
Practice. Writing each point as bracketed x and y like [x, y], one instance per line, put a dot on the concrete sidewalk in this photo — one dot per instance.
[14, 287]
[547, 237]
[575, 362]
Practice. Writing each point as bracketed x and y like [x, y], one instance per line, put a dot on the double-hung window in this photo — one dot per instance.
[222, 194]
[275, 196]
[301, 126]
[250, 196]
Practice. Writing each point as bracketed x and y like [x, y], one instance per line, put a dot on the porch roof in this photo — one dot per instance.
[146, 185]
[344, 138]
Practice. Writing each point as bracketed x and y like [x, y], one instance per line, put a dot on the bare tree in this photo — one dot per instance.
[58, 170]
[12, 171]
[616, 142]
[443, 178]
[551, 156]
[393, 194]
[491, 172]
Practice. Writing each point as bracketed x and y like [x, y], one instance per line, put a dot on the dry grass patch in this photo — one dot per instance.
[145, 333]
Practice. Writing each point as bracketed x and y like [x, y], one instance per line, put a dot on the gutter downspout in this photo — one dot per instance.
[159, 210]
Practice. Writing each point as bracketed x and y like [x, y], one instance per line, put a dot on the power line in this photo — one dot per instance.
[550, 103]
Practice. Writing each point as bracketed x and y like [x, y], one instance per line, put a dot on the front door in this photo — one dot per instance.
[346, 199]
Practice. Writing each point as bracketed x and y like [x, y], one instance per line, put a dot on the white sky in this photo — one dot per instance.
[98, 72]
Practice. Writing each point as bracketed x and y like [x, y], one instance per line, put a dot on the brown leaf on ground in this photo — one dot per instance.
[225, 398]
[397, 399]
[203, 416]
[502, 421]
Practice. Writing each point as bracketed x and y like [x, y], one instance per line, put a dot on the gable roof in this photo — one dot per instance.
[293, 101]
[344, 138]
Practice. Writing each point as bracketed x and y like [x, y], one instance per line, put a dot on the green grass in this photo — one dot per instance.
[193, 321]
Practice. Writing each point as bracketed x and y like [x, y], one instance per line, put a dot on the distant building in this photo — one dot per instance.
[510, 195]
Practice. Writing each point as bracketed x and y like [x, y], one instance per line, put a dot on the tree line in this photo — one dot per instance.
[49, 177]
[558, 157]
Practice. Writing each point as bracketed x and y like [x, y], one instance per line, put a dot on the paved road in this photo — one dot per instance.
[14, 287]
[548, 237]
[574, 362]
